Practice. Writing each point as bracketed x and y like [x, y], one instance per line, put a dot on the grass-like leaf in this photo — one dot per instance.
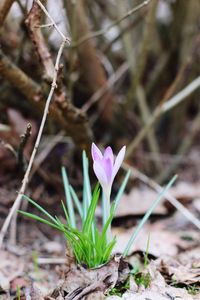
[37, 218]
[66, 213]
[86, 179]
[40, 208]
[68, 198]
[122, 188]
[76, 201]
[87, 226]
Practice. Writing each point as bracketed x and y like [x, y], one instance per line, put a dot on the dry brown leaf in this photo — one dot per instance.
[185, 192]
[137, 202]
[158, 290]
[80, 282]
[184, 268]
[10, 267]
[162, 242]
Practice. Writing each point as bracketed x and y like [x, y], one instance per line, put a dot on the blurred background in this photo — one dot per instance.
[126, 60]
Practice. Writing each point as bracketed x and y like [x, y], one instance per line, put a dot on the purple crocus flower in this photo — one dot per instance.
[106, 166]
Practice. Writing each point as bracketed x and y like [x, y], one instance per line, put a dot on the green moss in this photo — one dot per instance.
[143, 279]
[120, 289]
[193, 289]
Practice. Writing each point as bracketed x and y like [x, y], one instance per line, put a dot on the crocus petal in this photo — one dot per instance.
[100, 174]
[108, 169]
[118, 161]
[108, 153]
[96, 153]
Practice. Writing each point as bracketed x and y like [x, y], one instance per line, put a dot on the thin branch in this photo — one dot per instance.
[183, 148]
[109, 83]
[39, 159]
[137, 69]
[145, 115]
[115, 23]
[25, 181]
[32, 21]
[155, 186]
[66, 39]
[23, 142]
[5, 6]
[64, 113]
[160, 110]
[130, 25]
[8, 147]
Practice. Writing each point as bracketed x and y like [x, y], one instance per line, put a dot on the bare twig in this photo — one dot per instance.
[25, 181]
[44, 153]
[115, 23]
[155, 186]
[130, 25]
[137, 68]
[90, 64]
[160, 110]
[34, 19]
[37, 162]
[51, 261]
[65, 114]
[5, 6]
[22, 145]
[110, 82]
[66, 39]
[145, 115]
[8, 147]
[183, 148]
[143, 54]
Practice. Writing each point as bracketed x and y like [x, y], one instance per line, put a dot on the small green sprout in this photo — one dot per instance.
[35, 262]
[119, 290]
[146, 258]
[193, 289]
[142, 278]
[18, 293]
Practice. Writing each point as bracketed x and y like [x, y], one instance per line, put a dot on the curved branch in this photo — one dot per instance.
[5, 6]
[68, 117]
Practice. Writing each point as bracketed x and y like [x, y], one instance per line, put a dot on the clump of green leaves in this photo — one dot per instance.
[90, 246]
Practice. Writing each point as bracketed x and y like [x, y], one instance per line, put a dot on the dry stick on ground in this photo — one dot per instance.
[30, 164]
[155, 186]
[5, 6]
[160, 110]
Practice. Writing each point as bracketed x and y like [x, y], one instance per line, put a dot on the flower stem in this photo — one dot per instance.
[106, 214]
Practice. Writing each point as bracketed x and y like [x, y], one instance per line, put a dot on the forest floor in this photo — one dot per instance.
[165, 257]
[164, 260]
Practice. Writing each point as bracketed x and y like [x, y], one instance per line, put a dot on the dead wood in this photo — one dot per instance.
[90, 65]
[33, 22]
[80, 282]
[5, 6]
[68, 117]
